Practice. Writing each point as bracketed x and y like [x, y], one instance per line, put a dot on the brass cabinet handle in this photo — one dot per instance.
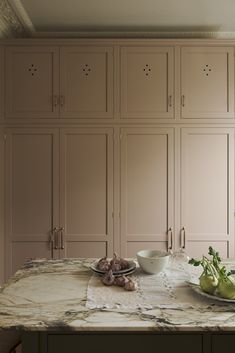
[170, 239]
[183, 238]
[52, 238]
[62, 238]
[55, 238]
[183, 100]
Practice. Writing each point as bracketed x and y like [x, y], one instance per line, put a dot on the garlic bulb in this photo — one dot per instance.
[124, 264]
[130, 285]
[108, 278]
[103, 264]
[121, 281]
[117, 263]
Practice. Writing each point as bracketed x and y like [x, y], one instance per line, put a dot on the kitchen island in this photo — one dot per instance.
[47, 302]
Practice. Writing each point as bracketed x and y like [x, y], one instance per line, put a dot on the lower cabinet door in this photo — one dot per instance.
[222, 342]
[86, 192]
[207, 183]
[31, 194]
[131, 343]
[147, 179]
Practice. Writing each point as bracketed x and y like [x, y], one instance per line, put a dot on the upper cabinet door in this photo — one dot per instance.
[147, 82]
[32, 83]
[207, 82]
[86, 75]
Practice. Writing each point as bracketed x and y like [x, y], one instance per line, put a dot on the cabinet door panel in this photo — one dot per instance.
[197, 248]
[207, 186]
[136, 343]
[87, 82]
[147, 82]
[25, 250]
[89, 248]
[220, 341]
[146, 186]
[207, 82]
[86, 186]
[32, 82]
[31, 190]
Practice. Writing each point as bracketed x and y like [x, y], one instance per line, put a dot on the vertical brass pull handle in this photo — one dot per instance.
[62, 100]
[183, 100]
[170, 239]
[170, 101]
[55, 238]
[62, 238]
[183, 238]
[52, 238]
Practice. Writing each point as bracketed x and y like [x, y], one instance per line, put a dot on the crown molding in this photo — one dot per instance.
[10, 23]
[22, 15]
[139, 34]
[15, 22]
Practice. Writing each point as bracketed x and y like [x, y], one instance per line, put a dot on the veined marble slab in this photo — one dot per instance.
[50, 295]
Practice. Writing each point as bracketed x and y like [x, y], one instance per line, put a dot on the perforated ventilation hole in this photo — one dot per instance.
[207, 69]
[32, 69]
[86, 69]
[147, 70]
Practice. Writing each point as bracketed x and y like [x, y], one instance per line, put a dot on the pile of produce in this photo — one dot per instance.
[215, 279]
[114, 265]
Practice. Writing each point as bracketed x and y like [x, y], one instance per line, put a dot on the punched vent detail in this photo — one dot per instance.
[207, 70]
[32, 69]
[86, 70]
[147, 70]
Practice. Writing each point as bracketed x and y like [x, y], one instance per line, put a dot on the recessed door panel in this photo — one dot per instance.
[26, 250]
[207, 82]
[32, 83]
[92, 249]
[86, 82]
[207, 185]
[196, 249]
[32, 188]
[146, 186]
[146, 82]
[138, 341]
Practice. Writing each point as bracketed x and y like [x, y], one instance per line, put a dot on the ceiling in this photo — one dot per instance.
[157, 16]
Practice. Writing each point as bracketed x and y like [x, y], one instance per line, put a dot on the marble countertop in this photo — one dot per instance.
[51, 295]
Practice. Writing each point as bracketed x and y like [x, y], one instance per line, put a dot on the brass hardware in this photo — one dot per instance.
[55, 239]
[62, 238]
[183, 100]
[52, 238]
[182, 238]
[170, 101]
[170, 239]
[61, 101]
[55, 100]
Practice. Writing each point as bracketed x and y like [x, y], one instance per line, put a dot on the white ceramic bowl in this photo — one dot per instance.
[153, 261]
